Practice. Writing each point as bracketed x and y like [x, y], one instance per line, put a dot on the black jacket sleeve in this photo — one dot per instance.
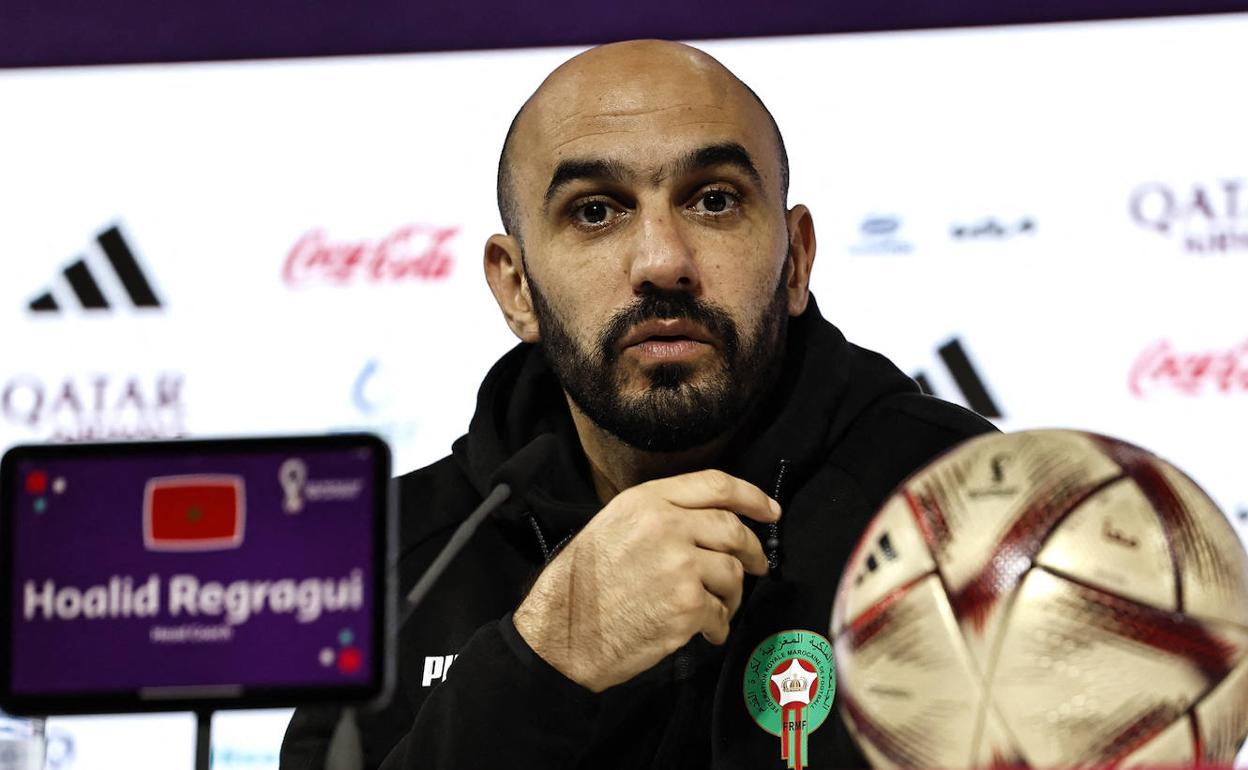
[307, 738]
[306, 743]
[502, 706]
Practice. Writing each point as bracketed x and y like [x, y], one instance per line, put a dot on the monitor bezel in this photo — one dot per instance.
[380, 685]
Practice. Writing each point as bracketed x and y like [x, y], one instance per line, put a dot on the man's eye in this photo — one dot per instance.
[715, 202]
[593, 213]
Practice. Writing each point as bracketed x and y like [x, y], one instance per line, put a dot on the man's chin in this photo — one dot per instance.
[641, 380]
[672, 408]
[671, 376]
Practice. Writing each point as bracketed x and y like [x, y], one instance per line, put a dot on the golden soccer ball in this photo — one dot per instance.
[1045, 599]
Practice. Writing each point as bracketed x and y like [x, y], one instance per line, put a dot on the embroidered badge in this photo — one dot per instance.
[790, 679]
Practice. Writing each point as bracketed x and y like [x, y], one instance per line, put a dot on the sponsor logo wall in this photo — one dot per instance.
[283, 247]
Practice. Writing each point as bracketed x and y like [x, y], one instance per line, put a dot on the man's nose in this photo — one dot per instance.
[663, 256]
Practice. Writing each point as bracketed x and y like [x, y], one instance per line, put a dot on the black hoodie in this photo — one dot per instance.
[840, 430]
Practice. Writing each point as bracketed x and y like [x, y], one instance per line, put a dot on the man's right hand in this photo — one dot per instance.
[661, 562]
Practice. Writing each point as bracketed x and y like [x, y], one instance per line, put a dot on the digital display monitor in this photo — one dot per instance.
[194, 574]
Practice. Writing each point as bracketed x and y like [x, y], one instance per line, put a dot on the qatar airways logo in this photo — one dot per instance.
[95, 407]
[413, 252]
[1162, 367]
[1205, 218]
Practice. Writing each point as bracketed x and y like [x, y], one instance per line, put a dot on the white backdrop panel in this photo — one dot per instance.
[968, 185]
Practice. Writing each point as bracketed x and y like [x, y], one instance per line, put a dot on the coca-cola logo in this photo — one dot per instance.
[95, 407]
[412, 252]
[1163, 367]
[1207, 218]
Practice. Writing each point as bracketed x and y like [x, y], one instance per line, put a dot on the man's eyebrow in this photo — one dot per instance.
[722, 154]
[570, 170]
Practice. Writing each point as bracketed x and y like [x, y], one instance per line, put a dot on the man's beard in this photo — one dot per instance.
[674, 412]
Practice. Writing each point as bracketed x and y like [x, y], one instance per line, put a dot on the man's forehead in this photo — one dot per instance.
[643, 140]
[621, 76]
[661, 104]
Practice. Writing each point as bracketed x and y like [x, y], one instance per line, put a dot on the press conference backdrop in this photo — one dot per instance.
[1048, 224]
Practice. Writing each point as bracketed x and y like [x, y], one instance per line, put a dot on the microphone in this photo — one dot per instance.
[510, 478]
[345, 752]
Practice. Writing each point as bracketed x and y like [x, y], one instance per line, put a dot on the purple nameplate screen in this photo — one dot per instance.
[218, 572]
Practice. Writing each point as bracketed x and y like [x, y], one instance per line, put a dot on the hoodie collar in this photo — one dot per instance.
[824, 384]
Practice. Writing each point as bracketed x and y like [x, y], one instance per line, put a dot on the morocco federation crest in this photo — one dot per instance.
[790, 679]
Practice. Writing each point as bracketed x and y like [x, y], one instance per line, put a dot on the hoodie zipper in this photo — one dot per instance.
[541, 538]
[772, 546]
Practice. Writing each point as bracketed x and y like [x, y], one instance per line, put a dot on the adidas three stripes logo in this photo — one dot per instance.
[965, 378]
[87, 290]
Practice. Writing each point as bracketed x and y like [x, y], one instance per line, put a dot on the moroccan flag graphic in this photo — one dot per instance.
[193, 513]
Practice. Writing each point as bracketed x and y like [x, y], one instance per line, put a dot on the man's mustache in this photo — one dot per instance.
[665, 304]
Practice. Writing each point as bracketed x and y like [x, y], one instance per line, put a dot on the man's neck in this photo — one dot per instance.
[616, 466]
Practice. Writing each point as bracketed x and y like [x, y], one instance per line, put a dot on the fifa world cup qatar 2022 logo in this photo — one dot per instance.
[1206, 218]
[790, 680]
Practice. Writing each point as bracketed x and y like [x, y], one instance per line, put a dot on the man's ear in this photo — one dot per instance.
[504, 271]
[801, 257]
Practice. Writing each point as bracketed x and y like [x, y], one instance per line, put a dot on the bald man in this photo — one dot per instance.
[659, 594]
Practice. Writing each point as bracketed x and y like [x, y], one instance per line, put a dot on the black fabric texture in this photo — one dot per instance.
[847, 425]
